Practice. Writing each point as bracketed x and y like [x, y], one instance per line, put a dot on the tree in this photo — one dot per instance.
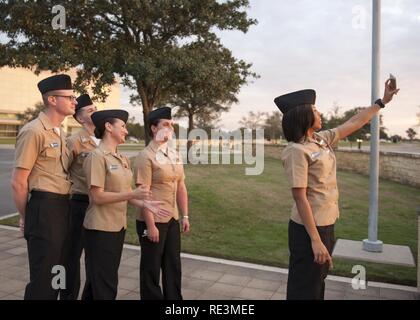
[135, 129]
[411, 134]
[30, 113]
[207, 120]
[213, 85]
[139, 41]
[254, 120]
[273, 127]
[396, 138]
[334, 117]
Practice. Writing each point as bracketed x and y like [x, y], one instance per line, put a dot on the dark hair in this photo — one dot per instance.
[99, 131]
[154, 122]
[297, 121]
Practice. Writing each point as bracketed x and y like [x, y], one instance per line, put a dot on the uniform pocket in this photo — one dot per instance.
[51, 153]
[48, 159]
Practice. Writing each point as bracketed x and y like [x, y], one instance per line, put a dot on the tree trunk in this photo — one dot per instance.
[190, 121]
[147, 107]
[146, 111]
[190, 128]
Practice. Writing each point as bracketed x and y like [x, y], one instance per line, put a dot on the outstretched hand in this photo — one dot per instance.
[389, 92]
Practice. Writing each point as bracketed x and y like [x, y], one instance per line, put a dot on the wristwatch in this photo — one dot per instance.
[380, 103]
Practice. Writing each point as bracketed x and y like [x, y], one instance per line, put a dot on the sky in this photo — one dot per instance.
[326, 45]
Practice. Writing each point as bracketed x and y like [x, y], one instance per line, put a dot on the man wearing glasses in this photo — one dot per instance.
[40, 169]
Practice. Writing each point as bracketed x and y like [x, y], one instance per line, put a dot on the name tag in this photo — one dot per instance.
[315, 155]
[54, 145]
[113, 167]
[161, 158]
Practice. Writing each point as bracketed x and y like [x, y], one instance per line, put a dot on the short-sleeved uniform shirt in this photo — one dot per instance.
[162, 170]
[79, 146]
[40, 149]
[311, 164]
[112, 172]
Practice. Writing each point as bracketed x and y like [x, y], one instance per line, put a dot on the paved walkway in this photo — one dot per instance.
[203, 278]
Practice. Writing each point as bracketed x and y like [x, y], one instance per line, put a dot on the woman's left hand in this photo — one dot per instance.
[389, 92]
[185, 225]
[154, 207]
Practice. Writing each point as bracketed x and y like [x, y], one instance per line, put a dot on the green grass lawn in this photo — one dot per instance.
[8, 141]
[245, 218]
[132, 146]
[353, 144]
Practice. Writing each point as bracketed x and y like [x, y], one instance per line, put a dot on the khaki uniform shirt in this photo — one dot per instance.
[112, 172]
[79, 145]
[311, 164]
[162, 172]
[41, 150]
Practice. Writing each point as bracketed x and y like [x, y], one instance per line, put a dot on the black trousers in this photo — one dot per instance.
[103, 252]
[46, 232]
[306, 279]
[78, 206]
[165, 255]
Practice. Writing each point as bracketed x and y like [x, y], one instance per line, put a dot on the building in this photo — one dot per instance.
[19, 91]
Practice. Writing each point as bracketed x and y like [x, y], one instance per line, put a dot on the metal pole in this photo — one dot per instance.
[373, 244]
[418, 251]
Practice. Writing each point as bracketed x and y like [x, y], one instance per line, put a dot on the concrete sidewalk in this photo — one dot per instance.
[203, 278]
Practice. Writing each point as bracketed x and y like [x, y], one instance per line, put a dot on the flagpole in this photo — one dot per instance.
[372, 244]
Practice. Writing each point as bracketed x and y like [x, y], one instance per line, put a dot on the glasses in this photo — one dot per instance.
[70, 98]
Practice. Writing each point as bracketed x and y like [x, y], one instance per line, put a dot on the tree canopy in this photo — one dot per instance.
[30, 114]
[145, 43]
[202, 95]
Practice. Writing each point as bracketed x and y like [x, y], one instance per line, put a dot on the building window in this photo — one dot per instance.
[8, 130]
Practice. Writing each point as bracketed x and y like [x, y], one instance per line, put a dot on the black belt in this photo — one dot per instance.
[80, 197]
[48, 195]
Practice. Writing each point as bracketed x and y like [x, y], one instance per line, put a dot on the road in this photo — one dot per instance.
[6, 167]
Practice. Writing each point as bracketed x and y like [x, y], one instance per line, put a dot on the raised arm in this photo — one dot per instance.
[364, 116]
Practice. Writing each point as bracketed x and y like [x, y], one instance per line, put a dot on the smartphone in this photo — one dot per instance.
[393, 82]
